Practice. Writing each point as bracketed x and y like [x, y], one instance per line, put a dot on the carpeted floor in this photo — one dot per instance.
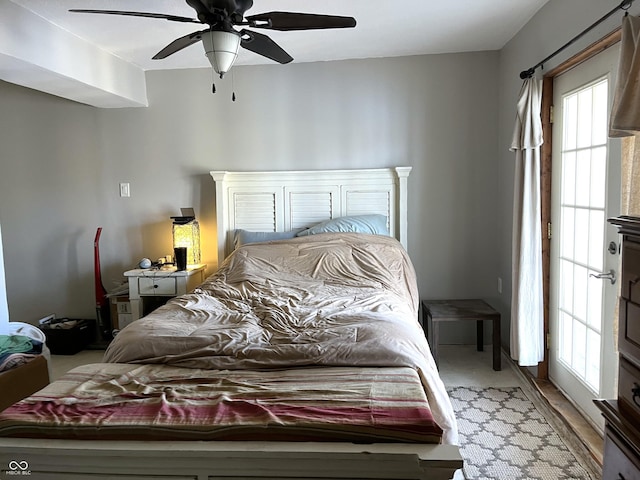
[504, 436]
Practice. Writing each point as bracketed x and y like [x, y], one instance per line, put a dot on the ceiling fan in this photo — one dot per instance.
[221, 40]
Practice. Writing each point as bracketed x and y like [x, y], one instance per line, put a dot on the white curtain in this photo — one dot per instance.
[625, 122]
[630, 204]
[527, 308]
[625, 114]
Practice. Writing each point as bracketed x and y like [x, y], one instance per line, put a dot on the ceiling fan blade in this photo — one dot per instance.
[299, 21]
[263, 45]
[179, 44]
[173, 18]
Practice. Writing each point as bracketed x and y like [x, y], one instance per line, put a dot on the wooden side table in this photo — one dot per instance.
[160, 283]
[437, 311]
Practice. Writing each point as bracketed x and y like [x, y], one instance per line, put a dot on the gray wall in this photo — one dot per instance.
[553, 26]
[62, 163]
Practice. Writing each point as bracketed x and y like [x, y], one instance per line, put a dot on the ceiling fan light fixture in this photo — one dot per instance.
[221, 48]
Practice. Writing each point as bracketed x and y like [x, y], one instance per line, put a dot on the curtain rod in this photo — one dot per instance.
[624, 5]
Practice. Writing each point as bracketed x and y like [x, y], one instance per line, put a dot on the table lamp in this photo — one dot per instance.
[186, 233]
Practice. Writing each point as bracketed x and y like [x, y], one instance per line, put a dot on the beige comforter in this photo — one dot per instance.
[329, 299]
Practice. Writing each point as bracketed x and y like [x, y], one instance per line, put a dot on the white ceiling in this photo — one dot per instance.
[385, 28]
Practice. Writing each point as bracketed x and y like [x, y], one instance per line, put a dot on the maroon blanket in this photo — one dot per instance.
[156, 402]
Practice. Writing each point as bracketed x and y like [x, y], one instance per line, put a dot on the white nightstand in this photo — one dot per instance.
[151, 283]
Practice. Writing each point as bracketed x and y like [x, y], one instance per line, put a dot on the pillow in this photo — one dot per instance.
[375, 224]
[242, 237]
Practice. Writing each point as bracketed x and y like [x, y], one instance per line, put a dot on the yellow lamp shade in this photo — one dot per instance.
[188, 235]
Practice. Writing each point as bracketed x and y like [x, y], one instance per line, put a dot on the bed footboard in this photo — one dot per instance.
[75, 460]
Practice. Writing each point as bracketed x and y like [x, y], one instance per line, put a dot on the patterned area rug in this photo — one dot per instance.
[504, 436]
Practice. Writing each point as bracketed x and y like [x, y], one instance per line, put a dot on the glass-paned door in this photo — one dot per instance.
[585, 193]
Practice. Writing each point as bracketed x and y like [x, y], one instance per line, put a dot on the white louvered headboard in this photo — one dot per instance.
[286, 200]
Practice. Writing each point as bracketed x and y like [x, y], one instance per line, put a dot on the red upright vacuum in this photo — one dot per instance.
[102, 302]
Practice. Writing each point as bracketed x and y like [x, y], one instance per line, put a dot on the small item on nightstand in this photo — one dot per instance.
[145, 263]
[180, 254]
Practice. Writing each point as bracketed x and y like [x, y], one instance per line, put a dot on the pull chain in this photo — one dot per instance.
[233, 88]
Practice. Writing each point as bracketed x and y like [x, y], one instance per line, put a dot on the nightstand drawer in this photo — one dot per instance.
[157, 286]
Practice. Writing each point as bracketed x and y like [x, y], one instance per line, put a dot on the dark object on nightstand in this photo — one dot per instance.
[622, 416]
[67, 336]
[180, 254]
[436, 311]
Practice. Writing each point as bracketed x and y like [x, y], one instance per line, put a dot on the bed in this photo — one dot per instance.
[300, 357]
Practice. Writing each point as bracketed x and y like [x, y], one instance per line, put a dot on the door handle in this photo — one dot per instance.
[610, 275]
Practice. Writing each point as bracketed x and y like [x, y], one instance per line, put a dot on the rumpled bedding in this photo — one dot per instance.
[158, 402]
[340, 299]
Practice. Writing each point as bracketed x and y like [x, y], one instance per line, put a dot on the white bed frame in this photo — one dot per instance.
[276, 201]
